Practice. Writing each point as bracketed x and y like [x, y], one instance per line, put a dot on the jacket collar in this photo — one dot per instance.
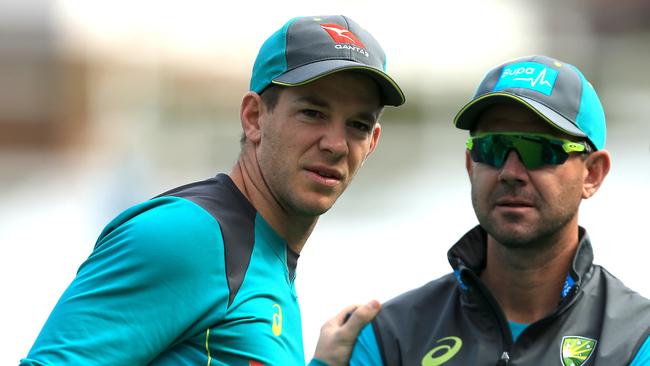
[469, 253]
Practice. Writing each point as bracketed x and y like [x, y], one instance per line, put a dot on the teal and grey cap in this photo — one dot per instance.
[558, 92]
[308, 48]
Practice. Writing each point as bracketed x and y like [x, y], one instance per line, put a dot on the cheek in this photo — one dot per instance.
[357, 156]
[575, 187]
[271, 152]
[560, 190]
[276, 142]
[482, 177]
[479, 190]
[484, 181]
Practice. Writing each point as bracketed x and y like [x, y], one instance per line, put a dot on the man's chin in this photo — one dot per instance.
[514, 236]
[513, 241]
[315, 208]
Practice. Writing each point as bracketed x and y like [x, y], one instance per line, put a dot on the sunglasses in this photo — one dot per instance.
[534, 150]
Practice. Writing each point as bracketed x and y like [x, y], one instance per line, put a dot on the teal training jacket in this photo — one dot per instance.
[193, 277]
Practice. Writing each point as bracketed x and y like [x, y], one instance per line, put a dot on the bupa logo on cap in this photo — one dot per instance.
[344, 39]
[529, 75]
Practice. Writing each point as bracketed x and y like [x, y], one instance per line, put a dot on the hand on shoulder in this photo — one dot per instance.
[339, 334]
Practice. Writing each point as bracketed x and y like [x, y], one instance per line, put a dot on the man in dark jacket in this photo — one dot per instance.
[524, 290]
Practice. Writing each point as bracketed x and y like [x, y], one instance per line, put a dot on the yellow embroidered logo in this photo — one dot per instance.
[277, 320]
[442, 353]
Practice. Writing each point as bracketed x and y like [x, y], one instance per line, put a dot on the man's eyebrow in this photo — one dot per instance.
[310, 99]
[370, 116]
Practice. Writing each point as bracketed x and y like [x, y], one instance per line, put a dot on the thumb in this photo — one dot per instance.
[359, 318]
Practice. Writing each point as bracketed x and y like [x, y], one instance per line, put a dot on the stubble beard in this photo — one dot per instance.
[513, 232]
[300, 200]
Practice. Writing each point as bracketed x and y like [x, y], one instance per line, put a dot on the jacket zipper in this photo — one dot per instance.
[506, 336]
[504, 360]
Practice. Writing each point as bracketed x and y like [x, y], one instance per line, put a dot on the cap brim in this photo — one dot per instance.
[391, 93]
[467, 117]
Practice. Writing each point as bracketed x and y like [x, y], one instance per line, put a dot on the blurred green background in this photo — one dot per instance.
[106, 104]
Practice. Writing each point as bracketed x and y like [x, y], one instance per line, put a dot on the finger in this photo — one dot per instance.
[344, 314]
[361, 316]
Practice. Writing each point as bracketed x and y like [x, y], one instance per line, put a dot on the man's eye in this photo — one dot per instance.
[311, 113]
[364, 127]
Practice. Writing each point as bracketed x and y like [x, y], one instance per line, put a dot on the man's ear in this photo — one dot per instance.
[596, 168]
[468, 163]
[376, 131]
[250, 113]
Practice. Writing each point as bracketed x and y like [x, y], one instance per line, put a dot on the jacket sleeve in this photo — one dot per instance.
[643, 356]
[155, 271]
[366, 350]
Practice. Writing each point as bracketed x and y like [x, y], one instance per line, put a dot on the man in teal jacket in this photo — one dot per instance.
[204, 274]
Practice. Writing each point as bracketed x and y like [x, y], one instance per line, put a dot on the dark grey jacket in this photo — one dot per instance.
[599, 321]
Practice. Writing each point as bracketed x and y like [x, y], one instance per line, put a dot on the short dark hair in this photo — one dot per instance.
[270, 97]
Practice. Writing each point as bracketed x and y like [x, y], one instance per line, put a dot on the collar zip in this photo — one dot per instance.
[504, 360]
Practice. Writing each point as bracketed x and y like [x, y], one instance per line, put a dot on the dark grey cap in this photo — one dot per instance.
[308, 48]
[556, 91]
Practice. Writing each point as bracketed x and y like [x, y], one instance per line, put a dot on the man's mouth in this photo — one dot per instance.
[514, 202]
[326, 173]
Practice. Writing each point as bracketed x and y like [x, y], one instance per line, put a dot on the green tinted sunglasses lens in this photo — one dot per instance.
[533, 150]
[489, 150]
[533, 153]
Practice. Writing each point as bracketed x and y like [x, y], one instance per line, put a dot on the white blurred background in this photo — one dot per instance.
[106, 104]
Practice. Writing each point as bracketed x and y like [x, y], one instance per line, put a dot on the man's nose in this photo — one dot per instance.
[334, 139]
[513, 169]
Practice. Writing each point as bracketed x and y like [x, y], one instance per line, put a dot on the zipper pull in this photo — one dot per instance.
[504, 360]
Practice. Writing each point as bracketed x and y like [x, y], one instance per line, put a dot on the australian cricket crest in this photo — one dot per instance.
[576, 350]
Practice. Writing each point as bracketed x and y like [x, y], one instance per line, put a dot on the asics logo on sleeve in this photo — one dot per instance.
[277, 320]
[444, 352]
